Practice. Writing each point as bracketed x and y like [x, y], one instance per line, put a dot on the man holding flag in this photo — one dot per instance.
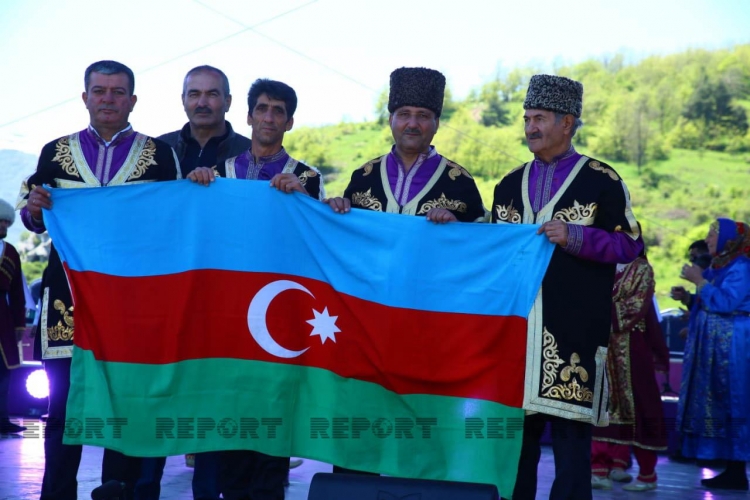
[584, 208]
[413, 179]
[106, 153]
[271, 107]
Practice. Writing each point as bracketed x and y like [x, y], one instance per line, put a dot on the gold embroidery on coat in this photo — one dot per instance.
[23, 195]
[552, 361]
[367, 200]
[577, 214]
[64, 157]
[599, 168]
[508, 213]
[144, 161]
[60, 331]
[305, 175]
[368, 169]
[456, 171]
[443, 202]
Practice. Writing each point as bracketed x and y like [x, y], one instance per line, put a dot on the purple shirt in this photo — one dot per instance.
[588, 243]
[406, 185]
[103, 158]
[264, 168]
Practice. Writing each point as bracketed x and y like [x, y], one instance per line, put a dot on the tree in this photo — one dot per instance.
[711, 106]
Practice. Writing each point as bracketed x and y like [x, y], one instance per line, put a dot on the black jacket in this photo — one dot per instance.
[233, 145]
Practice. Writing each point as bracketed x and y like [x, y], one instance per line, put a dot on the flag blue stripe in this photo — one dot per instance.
[172, 227]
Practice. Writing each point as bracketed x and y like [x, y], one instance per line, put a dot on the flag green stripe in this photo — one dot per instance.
[224, 404]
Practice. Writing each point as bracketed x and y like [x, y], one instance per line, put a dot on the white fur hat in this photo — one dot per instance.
[7, 212]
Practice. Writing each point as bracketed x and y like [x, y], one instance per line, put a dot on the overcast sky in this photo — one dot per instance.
[337, 54]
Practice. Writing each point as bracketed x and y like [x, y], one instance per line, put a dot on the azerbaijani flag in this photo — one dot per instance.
[237, 317]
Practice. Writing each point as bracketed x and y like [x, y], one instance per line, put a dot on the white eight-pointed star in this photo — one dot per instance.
[324, 325]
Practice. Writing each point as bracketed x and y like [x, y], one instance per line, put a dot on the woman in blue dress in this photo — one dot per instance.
[714, 412]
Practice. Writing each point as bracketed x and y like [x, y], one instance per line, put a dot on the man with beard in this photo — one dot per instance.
[583, 208]
[106, 153]
[207, 139]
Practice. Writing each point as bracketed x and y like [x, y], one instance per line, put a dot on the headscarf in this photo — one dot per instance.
[733, 242]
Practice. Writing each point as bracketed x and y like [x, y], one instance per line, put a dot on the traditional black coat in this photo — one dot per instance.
[569, 325]
[309, 177]
[62, 164]
[450, 187]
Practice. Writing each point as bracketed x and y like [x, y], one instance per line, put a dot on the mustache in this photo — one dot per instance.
[203, 109]
[412, 131]
[106, 108]
[535, 135]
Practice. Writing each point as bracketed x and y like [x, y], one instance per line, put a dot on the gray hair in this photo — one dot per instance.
[576, 125]
[207, 69]
[109, 68]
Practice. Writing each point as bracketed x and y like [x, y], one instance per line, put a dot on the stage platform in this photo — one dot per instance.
[22, 467]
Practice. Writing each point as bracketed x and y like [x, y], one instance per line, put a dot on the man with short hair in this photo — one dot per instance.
[271, 106]
[106, 153]
[413, 179]
[583, 208]
[12, 314]
[207, 139]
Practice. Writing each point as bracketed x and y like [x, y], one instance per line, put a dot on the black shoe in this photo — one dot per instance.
[9, 427]
[726, 481]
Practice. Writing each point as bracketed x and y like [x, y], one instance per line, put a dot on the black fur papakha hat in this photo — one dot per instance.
[420, 87]
[555, 93]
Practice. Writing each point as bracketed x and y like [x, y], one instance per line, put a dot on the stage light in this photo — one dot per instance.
[37, 384]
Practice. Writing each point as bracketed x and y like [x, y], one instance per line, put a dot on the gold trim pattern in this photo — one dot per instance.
[368, 169]
[367, 200]
[60, 331]
[456, 171]
[552, 361]
[443, 202]
[64, 157]
[582, 215]
[145, 160]
[508, 213]
[23, 194]
[599, 168]
[305, 175]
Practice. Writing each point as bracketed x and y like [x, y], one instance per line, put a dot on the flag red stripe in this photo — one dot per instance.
[203, 314]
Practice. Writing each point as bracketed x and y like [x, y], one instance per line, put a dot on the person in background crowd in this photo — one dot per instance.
[636, 351]
[715, 394]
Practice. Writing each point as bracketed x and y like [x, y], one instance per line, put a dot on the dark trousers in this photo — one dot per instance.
[4, 388]
[148, 486]
[571, 445]
[61, 461]
[142, 476]
[251, 475]
[206, 476]
[239, 475]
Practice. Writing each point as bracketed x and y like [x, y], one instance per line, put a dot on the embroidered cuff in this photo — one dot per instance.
[30, 222]
[575, 239]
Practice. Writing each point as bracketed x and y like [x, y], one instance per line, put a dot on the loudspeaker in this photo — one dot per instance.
[327, 486]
